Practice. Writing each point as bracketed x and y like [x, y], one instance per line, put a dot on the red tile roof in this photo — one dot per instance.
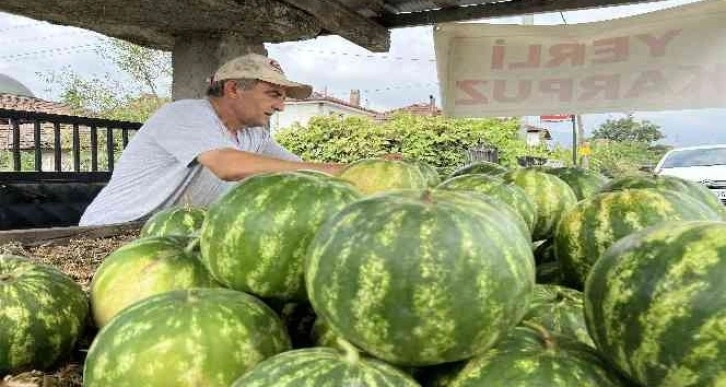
[32, 104]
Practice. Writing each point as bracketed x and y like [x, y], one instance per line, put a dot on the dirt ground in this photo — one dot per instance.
[79, 258]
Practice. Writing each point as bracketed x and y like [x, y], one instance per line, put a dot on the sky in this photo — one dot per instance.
[31, 49]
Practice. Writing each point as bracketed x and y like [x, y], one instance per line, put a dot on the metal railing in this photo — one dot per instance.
[17, 121]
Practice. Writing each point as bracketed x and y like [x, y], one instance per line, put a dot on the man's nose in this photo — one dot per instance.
[280, 106]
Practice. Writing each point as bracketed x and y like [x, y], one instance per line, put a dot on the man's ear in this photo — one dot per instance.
[230, 88]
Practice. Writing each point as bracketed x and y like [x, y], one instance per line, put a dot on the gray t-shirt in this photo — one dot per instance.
[158, 168]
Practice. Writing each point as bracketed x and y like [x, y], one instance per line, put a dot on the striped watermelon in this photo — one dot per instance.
[430, 174]
[254, 237]
[496, 187]
[323, 367]
[697, 191]
[420, 278]
[655, 304]
[533, 356]
[42, 314]
[587, 230]
[559, 310]
[375, 175]
[142, 268]
[184, 221]
[197, 337]
[584, 183]
[480, 167]
[551, 196]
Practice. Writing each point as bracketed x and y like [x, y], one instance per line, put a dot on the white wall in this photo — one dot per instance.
[302, 112]
[533, 138]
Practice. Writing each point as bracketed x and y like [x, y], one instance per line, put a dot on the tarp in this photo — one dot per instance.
[665, 60]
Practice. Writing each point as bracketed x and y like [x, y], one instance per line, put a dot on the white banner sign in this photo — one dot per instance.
[665, 60]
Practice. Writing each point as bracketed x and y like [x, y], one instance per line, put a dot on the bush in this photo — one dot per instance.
[438, 141]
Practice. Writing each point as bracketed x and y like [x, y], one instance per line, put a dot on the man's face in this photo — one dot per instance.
[255, 106]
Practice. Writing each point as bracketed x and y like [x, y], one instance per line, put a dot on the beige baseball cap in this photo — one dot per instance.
[256, 66]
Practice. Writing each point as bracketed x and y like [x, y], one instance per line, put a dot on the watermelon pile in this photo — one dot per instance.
[387, 276]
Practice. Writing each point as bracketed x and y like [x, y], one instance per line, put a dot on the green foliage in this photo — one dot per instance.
[438, 141]
[614, 159]
[628, 129]
[148, 70]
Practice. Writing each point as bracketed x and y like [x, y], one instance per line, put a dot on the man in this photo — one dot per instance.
[191, 151]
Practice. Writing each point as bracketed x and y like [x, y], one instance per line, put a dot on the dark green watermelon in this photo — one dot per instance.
[584, 183]
[323, 367]
[480, 167]
[493, 186]
[185, 338]
[559, 310]
[552, 197]
[430, 173]
[421, 278]
[594, 224]
[254, 238]
[143, 268]
[537, 357]
[376, 175]
[655, 304]
[42, 314]
[181, 221]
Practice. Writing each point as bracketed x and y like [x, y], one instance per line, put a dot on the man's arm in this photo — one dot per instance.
[232, 165]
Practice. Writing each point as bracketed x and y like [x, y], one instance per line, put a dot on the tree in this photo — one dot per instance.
[628, 129]
[149, 73]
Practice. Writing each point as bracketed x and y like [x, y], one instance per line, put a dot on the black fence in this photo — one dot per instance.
[483, 153]
[17, 123]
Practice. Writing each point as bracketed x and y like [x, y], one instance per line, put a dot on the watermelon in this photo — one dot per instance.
[420, 277]
[559, 310]
[584, 183]
[374, 175]
[254, 237]
[594, 224]
[533, 356]
[493, 186]
[655, 304]
[430, 174]
[184, 221]
[42, 314]
[551, 196]
[323, 367]
[480, 167]
[142, 268]
[196, 337]
[697, 191]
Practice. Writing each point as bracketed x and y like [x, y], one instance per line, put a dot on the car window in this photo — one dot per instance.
[695, 157]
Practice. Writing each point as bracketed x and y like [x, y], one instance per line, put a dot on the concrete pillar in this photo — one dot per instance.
[196, 57]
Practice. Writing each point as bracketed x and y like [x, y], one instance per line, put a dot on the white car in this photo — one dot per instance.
[703, 164]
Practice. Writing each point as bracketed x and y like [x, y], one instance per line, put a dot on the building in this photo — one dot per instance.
[418, 109]
[319, 104]
[537, 136]
[15, 96]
